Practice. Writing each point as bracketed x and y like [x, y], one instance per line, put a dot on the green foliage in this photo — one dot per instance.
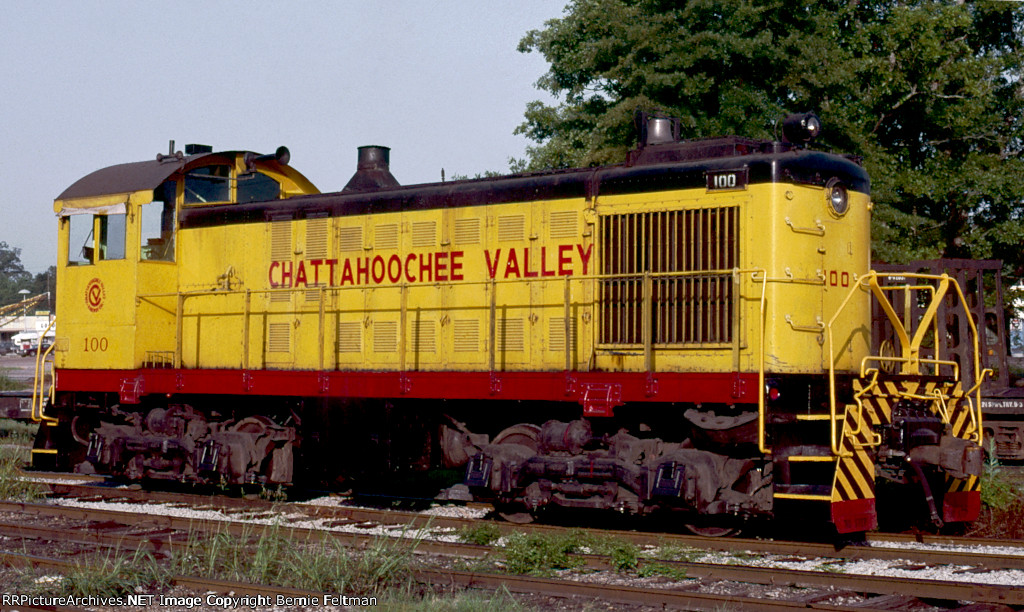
[12, 486]
[9, 384]
[672, 572]
[276, 559]
[998, 490]
[117, 574]
[929, 93]
[482, 535]
[17, 432]
[541, 555]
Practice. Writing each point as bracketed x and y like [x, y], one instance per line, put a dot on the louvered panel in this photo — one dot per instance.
[424, 334]
[350, 239]
[279, 337]
[312, 294]
[564, 224]
[556, 334]
[511, 228]
[467, 231]
[424, 233]
[466, 335]
[316, 237]
[385, 336]
[350, 337]
[281, 239]
[386, 236]
[511, 335]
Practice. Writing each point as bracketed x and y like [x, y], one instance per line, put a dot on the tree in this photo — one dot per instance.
[13, 276]
[929, 93]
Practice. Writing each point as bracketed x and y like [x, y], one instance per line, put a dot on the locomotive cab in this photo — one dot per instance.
[119, 241]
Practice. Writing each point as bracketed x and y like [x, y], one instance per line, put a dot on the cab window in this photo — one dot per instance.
[257, 187]
[208, 184]
[93, 238]
[112, 236]
[157, 225]
[80, 243]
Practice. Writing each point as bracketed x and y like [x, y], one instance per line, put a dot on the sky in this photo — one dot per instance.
[92, 84]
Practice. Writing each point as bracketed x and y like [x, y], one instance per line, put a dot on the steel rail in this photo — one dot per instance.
[686, 600]
[415, 519]
[940, 589]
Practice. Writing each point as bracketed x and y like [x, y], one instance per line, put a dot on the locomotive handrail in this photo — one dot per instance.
[936, 362]
[39, 380]
[911, 362]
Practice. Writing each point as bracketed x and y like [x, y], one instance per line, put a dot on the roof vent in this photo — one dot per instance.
[372, 170]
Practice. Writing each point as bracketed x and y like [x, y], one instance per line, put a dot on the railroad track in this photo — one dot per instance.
[137, 530]
[884, 547]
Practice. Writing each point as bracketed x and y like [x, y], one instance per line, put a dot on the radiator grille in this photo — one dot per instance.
[693, 309]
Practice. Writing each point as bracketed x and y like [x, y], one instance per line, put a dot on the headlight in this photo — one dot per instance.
[838, 199]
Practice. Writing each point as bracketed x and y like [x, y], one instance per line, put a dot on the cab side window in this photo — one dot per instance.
[95, 238]
[157, 225]
[112, 236]
[208, 184]
[257, 187]
[80, 242]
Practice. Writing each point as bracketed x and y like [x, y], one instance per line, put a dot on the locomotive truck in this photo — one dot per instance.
[688, 331]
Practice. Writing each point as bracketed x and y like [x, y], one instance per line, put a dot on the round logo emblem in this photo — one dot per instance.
[95, 294]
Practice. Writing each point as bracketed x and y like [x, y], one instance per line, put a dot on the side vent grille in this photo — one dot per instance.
[467, 231]
[385, 336]
[467, 335]
[511, 228]
[350, 337]
[279, 338]
[350, 239]
[511, 337]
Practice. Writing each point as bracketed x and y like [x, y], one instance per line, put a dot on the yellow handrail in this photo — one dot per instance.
[39, 381]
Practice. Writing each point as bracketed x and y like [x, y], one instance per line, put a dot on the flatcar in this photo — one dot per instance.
[688, 331]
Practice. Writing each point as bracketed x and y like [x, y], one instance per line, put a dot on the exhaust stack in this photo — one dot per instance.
[372, 170]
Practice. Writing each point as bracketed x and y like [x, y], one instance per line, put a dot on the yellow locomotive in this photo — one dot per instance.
[688, 331]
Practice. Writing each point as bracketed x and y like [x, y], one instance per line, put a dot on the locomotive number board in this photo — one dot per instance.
[727, 180]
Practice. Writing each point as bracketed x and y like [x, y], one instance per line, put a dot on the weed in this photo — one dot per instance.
[624, 555]
[16, 432]
[672, 572]
[9, 384]
[997, 489]
[277, 494]
[12, 486]
[460, 602]
[541, 555]
[119, 574]
[483, 535]
[321, 566]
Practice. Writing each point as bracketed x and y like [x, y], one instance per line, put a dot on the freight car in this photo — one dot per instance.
[687, 331]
